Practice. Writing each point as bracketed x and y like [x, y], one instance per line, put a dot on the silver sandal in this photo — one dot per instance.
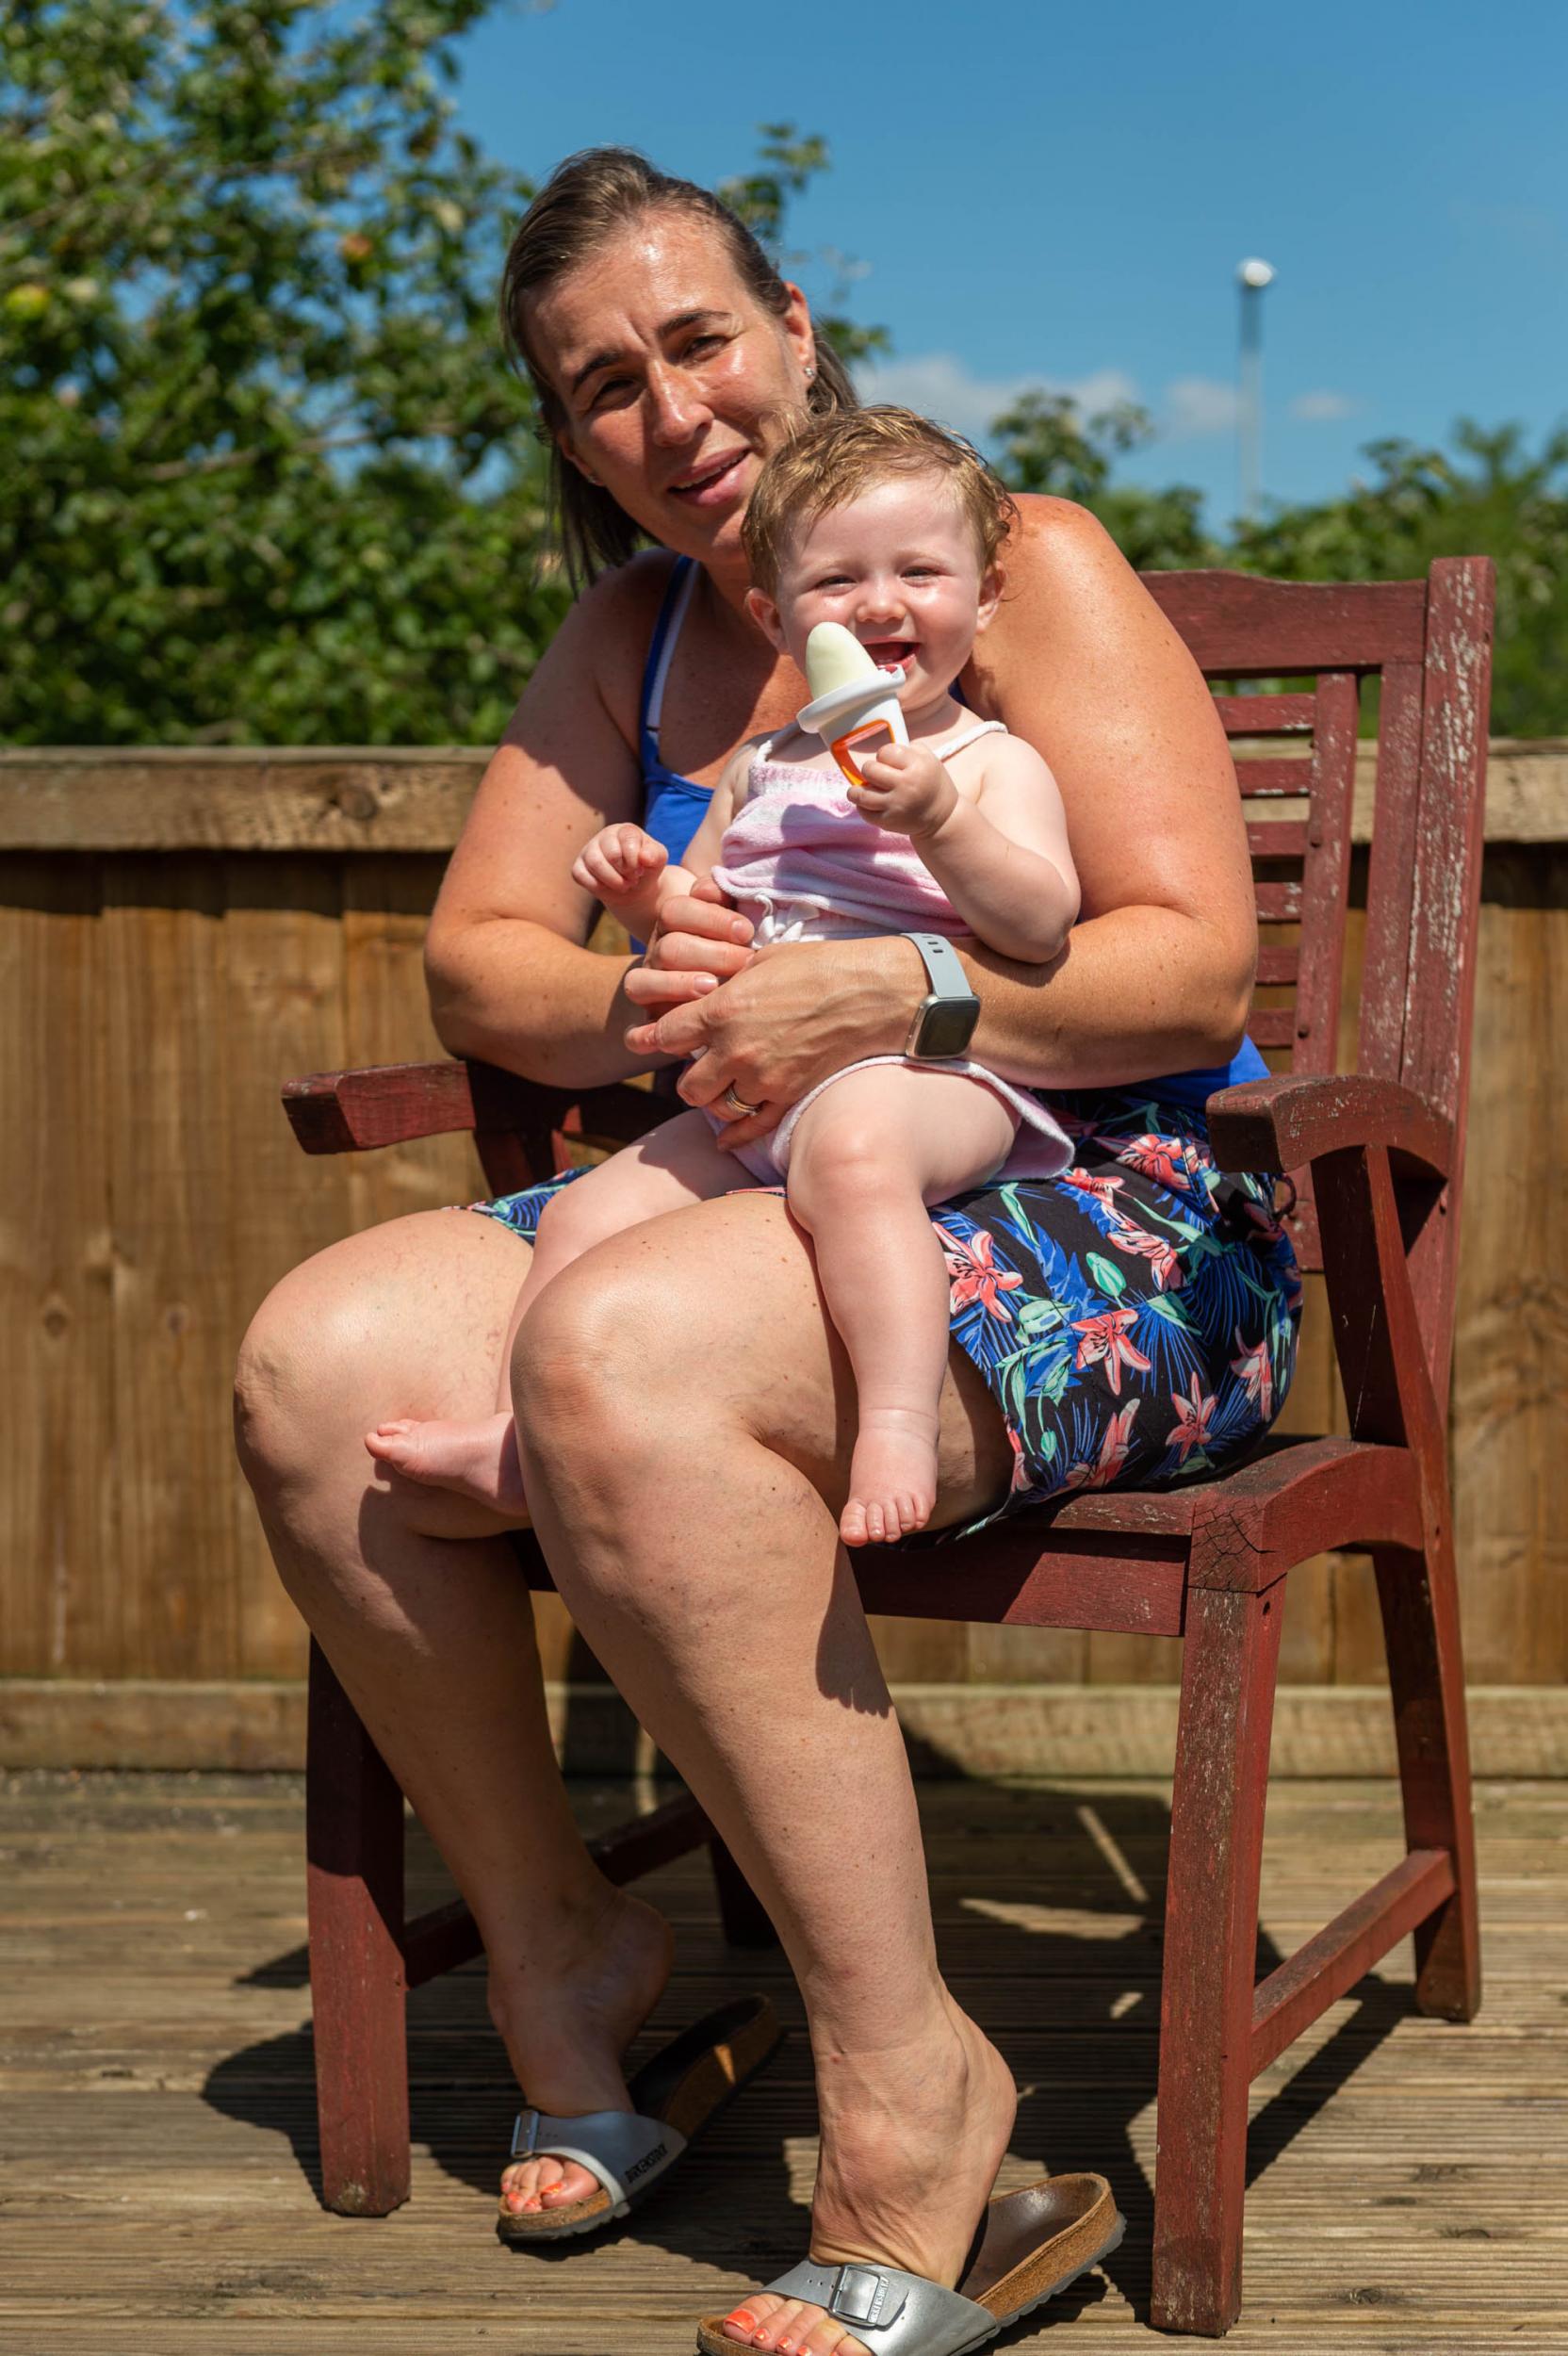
[1033, 2244]
[675, 2096]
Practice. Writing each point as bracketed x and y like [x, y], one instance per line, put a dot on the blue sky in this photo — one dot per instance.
[1042, 194]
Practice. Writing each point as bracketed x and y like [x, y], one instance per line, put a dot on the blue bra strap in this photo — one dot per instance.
[666, 629]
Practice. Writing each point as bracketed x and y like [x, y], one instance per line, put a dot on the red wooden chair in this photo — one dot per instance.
[1378, 1157]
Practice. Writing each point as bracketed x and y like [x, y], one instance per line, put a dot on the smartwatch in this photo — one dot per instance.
[944, 1021]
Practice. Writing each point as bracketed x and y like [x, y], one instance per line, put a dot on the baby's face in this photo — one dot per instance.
[901, 569]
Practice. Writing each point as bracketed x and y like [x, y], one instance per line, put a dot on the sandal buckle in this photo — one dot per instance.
[525, 2134]
[857, 2294]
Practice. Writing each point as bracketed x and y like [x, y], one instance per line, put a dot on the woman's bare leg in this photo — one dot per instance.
[674, 1165]
[432, 1636]
[687, 1428]
[866, 1159]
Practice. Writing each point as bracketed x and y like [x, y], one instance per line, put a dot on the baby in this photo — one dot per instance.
[878, 520]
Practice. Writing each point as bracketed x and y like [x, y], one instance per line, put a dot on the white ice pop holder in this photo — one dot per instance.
[854, 710]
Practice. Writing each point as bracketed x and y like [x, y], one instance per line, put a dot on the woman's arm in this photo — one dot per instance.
[510, 981]
[1157, 973]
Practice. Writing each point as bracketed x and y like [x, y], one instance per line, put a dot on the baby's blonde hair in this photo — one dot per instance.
[828, 460]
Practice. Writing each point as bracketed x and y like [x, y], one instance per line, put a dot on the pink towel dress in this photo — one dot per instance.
[804, 864]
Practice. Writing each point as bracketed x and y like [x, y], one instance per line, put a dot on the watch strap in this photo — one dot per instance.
[945, 1018]
[945, 969]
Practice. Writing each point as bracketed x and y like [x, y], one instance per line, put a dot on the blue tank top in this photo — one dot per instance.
[674, 808]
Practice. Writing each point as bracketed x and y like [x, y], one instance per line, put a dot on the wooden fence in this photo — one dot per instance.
[178, 932]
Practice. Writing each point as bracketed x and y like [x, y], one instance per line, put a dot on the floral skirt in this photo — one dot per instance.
[1134, 1317]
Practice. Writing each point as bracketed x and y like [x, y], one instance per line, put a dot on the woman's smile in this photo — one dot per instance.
[714, 481]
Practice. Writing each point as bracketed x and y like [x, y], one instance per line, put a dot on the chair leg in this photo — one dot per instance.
[355, 1872]
[747, 1924]
[1216, 1818]
[1420, 1609]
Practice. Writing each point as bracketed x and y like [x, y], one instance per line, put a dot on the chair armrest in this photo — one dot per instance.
[348, 1112]
[1284, 1123]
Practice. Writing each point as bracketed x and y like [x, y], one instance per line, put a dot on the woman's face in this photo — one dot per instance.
[673, 377]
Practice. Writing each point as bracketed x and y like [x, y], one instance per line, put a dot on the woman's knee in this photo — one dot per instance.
[297, 1357]
[574, 1356]
[395, 1322]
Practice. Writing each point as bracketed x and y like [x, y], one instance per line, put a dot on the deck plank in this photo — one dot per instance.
[157, 2094]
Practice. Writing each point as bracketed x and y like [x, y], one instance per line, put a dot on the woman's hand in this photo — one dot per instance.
[793, 1014]
[699, 942]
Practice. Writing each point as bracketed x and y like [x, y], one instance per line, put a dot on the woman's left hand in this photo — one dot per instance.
[800, 1011]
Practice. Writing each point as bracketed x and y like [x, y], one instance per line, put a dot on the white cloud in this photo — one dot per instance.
[1195, 406]
[1322, 408]
[942, 386]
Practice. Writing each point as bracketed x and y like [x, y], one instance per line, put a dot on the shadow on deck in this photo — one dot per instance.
[159, 2092]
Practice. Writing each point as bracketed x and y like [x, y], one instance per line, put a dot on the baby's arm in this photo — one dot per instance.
[1003, 859]
[634, 875]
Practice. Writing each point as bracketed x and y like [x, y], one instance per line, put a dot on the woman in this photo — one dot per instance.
[699, 1552]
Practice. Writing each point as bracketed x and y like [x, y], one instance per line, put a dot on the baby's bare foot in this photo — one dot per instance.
[477, 1459]
[892, 1479]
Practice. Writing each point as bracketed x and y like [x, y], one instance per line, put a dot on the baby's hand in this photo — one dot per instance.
[906, 790]
[619, 863]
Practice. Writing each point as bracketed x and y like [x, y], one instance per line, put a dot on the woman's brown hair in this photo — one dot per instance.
[582, 202]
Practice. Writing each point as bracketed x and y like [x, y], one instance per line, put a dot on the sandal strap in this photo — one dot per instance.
[895, 2313]
[624, 2151]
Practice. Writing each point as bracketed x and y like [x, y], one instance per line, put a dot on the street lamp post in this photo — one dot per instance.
[1252, 276]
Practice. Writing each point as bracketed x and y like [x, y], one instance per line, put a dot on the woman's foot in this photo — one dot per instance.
[912, 2142]
[893, 1478]
[567, 2020]
[477, 1459]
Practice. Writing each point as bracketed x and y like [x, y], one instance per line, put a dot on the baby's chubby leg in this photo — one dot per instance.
[674, 1165]
[866, 1159]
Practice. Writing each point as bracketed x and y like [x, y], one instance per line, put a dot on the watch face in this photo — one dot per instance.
[947, 1026]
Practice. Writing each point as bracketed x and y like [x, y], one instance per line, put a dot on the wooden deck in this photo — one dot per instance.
[158, 2138]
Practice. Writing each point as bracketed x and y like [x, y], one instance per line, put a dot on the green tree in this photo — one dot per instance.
[250, 380]
[786, 166]
[268, 478]
[1491, 497]
[1044, 442]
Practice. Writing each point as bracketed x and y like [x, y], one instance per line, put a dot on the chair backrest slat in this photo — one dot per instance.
[1238, 626]
[1272, 781]
[1278, 966]
[1391, 872]
[1279, 838]
[1450, 841]
[1326, 874]
[1266, 715]
[1429, 643]
[1279, 903]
